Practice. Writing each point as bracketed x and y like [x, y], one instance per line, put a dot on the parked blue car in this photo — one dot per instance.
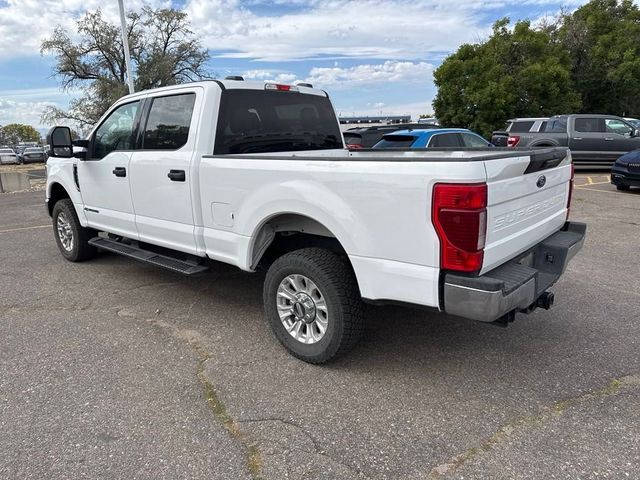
[433, 138]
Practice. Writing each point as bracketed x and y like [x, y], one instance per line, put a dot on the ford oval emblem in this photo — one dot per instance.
[541, 181]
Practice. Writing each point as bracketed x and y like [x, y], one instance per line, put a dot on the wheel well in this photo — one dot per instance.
[57, 193]
[288, 232]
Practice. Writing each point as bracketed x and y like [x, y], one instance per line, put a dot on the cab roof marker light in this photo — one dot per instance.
[280, 87]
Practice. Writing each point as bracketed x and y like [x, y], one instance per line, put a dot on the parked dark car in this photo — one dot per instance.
[32, 155]
[626, 171]
[366, 137]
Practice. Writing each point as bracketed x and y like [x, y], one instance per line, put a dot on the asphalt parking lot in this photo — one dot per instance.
[115, 369]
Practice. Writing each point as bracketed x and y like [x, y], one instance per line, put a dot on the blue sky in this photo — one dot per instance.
[372, 56]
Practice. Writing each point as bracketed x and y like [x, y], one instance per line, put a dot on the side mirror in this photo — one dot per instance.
[635, 132]
[59, 142]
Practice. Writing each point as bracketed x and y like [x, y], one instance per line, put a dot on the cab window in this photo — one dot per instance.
[168, 124]
[116, 132]
[589, 125]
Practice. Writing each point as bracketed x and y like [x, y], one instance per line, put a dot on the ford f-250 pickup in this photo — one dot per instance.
[256, 175]
[593, 139]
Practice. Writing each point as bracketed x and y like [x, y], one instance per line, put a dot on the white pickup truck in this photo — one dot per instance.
[256, 175]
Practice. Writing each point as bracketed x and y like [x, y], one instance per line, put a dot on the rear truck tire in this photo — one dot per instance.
[313, 305]
[624, 188]
[71, 237]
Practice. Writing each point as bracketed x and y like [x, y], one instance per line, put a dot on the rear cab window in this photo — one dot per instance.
[556, 125]
[257, 121]
[167, 126]
[521, 126]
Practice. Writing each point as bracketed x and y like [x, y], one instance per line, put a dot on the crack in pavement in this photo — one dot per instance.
[614, 387]
[196, 342]
[316, 449]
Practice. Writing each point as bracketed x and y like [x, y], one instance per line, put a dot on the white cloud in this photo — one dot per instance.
[383, 29]
[368, 74]
[336, 28]
[339, 78]
[278, 76]
[12, 111]
[25, 23]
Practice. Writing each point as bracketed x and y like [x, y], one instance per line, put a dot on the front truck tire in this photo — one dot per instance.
[313, 304]
[71, 237]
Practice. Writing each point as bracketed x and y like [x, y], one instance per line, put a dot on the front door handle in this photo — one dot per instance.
[577, 138]
[120, 172]
[177, 175]
[609, 139]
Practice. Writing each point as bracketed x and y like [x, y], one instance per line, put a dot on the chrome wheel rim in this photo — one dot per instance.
[65, 232]
[302, 309]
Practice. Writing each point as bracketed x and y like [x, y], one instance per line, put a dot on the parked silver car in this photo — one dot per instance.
[7, 155]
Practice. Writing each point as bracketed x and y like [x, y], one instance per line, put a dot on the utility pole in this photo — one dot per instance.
[125, 44]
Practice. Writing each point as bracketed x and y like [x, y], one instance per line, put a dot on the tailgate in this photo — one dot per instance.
[527, 202]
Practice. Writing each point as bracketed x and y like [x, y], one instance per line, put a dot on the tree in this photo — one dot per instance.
[516, 72]
[602, 39]
[164, 51]
[15, 133]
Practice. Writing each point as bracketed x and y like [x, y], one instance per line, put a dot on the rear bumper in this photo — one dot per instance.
[516, 285]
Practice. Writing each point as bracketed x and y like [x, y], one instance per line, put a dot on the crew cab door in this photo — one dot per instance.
[619, 135]
[103, 176]
[161, 174]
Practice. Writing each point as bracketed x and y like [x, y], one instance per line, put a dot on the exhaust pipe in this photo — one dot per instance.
[545, 300]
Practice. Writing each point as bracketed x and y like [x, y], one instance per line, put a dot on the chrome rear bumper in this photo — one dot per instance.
[516, 285]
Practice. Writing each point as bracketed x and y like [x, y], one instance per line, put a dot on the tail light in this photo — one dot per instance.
[573, 171]
[459, 215]
[513, 141]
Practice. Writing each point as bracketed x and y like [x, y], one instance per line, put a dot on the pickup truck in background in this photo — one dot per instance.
[592, 139]
[516, 126]
[257, 175]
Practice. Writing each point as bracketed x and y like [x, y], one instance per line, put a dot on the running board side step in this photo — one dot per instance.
[174, 264]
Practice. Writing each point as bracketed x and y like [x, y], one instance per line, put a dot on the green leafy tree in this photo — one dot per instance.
[602, 39]
[164, 51]
[516, 72]
[15, 133]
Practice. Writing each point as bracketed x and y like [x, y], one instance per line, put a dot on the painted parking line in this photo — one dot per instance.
[591, 181]
[24, 228]
[597, 190]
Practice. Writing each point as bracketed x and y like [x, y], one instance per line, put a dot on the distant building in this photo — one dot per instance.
[384, 119]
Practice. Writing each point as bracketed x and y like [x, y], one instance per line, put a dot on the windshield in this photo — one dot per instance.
[257, 121]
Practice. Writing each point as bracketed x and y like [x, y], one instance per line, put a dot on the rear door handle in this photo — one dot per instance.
[609, 139]
[120, 172]
[177, 175]
[577, 138]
